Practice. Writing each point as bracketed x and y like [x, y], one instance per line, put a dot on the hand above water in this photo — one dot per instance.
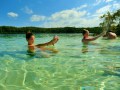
[56, 37]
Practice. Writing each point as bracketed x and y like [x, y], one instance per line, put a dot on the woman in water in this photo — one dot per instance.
[86, 38]
[31, 46]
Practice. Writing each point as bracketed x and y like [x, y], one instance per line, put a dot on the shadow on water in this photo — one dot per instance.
[114, 48]
[112, 72]
[84, 49]
[71, 45]
[90, 47]
[110, 50]
[17, 55]
[76, 56]
[24, 55]
[11, 35]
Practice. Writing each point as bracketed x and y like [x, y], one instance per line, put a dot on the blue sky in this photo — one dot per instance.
[55, 13]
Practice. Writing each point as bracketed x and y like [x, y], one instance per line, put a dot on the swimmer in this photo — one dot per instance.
[110, 35]
[31, 46]
[86, 38]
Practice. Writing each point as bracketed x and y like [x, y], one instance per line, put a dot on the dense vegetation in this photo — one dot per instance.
[110, 22]
[17, 30]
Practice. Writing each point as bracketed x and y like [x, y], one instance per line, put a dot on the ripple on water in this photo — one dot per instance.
[14, 78]
[69, 69]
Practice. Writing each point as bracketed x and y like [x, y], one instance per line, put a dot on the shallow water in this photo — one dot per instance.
[75, 67]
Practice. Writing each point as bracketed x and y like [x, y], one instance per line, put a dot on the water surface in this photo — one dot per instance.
[75, 67]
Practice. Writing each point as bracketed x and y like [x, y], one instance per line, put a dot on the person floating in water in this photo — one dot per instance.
[31, 47]
[110, 35]
[87, 38]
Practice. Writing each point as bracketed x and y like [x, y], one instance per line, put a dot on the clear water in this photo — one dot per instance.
[74, 67]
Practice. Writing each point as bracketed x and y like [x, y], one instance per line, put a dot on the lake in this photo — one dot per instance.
[75, 67]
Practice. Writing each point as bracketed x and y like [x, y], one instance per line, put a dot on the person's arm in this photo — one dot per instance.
[94, 38]
[102, 34]
[52, 42]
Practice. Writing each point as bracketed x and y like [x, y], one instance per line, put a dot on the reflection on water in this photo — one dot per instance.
[84, 48]
[74, 67]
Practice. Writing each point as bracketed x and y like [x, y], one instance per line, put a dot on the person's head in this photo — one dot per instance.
[30, 37]
[85, 32]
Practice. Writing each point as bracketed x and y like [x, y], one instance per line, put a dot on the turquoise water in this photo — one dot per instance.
[75, 67]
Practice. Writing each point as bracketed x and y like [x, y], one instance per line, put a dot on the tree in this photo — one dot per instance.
[107, 21]
[116, 17]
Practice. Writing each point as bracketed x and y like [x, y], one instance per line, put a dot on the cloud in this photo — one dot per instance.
[97, 2]
[37, 18]
[75, 22]
[101, 1]
[71, 18]
[27, 10]
[81, 7]
[67, 14]
[104, 9]
[12, 14]
[110, 7]
[77, 17]
[116, 6]
[108, 1]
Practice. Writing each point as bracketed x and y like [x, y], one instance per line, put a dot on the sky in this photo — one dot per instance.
[55, 13]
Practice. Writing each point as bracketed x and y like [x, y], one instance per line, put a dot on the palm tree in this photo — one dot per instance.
[107, 21]
[116, 16]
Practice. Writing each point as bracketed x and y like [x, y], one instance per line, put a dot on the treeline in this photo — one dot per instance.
[20, 30]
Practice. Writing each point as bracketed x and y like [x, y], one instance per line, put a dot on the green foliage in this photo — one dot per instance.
[111, 21]
[18, 30]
